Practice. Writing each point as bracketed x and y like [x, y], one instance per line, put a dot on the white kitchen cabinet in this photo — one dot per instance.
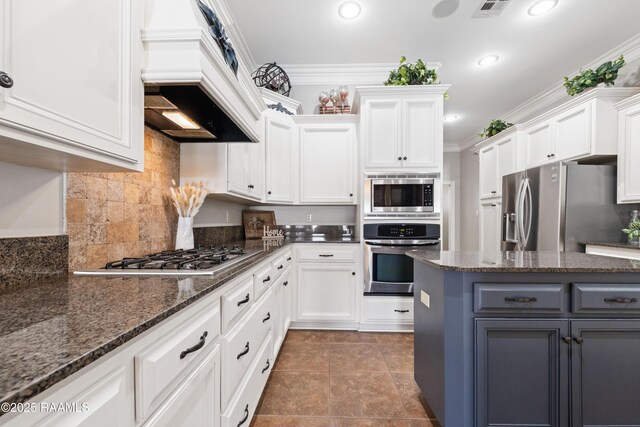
[490, 226]
[328, 168]
[381, 123]
[192, 404]
[279, 140]
[326, 292]
[282, 310]
[76, 103]
[246, 167]
[585, 126]
[498, 157]
[629, 150]
[401, 127]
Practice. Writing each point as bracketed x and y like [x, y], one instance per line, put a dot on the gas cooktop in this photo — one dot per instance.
[192, 262]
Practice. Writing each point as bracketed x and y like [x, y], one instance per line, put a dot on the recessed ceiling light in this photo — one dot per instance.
[541, 7]
[349, 10]
[451, 118]
[488, 60]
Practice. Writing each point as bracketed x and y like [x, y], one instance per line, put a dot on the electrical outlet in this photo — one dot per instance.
[308, 217]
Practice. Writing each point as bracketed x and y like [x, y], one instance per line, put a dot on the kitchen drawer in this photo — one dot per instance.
[243, 406]
[236, 301]
[239, 347]
[277, 267]
[599, 298]
[165, 362]
[330, 254]
[389, 309]
[525, 298]
[263, 278]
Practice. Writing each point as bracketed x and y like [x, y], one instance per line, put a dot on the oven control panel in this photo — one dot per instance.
[401, 231]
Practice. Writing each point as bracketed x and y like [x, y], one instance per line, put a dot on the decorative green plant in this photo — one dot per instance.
[409, 73]
[633, 232]
[495, 127]
[606, 73]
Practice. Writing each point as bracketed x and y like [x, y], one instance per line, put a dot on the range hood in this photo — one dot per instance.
[191, 93]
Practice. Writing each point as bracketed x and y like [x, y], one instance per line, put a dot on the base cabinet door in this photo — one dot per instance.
[522, 376]
[604, 371]
[326, 292]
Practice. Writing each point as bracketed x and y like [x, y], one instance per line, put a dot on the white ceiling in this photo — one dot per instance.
[535, 52]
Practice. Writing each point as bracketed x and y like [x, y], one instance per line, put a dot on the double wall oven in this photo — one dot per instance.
[388, 271]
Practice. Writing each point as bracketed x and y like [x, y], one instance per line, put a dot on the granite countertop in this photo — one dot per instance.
[50, 329]
[524, 262]
[622, 245]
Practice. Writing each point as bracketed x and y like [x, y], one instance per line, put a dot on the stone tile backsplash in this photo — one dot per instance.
[116, 215]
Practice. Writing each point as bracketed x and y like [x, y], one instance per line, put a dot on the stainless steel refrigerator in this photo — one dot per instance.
[559, 207]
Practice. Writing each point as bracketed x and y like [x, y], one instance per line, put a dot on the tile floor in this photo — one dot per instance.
[344, 379]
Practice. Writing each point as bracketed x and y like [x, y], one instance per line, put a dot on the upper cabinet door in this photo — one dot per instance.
[327, 164]
[489, 172]
[238, 169]
[572, 133]
[279, 134]
[422, 133]
[539, 145]
[507, 158]
[381, 133]
[77, 92]
[256, 170]
[629, 146]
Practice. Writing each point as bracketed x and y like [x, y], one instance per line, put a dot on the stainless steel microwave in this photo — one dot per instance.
[397, 195]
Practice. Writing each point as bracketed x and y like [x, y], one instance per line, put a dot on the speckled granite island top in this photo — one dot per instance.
[622, 245]
[51, 329]
[524, 262]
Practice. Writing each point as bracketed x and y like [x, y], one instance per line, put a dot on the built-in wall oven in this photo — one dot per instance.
[399, 195]
[388, 271]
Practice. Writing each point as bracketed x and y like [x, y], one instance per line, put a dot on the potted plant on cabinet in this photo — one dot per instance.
[495, 127]
[606, 74]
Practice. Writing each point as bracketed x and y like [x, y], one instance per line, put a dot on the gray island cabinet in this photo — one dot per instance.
[528, 338]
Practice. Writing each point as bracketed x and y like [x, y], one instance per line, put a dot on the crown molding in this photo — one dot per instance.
[346, 74]
[451, 147]
[631, 101]
[555, 94]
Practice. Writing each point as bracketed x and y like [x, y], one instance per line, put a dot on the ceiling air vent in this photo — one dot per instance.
[491, 8]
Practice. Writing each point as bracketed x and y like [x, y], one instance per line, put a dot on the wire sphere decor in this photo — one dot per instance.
[272, 77]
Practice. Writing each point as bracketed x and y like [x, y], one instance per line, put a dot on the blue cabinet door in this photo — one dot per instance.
[605, 373]
[522, 373]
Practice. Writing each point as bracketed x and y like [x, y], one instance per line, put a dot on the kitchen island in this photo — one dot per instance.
[528, 338]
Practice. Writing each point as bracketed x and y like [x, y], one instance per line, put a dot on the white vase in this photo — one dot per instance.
[184, 235]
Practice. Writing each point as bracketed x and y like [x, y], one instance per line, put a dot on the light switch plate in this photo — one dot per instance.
[425, 298]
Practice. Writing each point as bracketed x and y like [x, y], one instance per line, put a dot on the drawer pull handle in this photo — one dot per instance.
[520, 299]
[621, 300]
[5, 80]
[267, 318]
[281, 267]
[579, 340]
[244, 301]
[246, 415]
[266, 367]
[267, 279]
[289, 259]
[286, 283]
[243, 352]
[325, 255]
[401, 311]
[196, 347]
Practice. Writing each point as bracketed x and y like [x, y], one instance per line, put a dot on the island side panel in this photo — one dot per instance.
[444, 343]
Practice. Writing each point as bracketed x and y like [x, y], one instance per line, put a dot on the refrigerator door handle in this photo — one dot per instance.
[528, 199]
[518, 214]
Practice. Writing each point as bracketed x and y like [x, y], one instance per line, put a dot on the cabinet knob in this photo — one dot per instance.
[494, 192]
[493, 205]
[567, 340]
[400, 158]
[404, 158]
[5, 80]
[268, 192]
[579, 340]
[350, 194]
[353, 273]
